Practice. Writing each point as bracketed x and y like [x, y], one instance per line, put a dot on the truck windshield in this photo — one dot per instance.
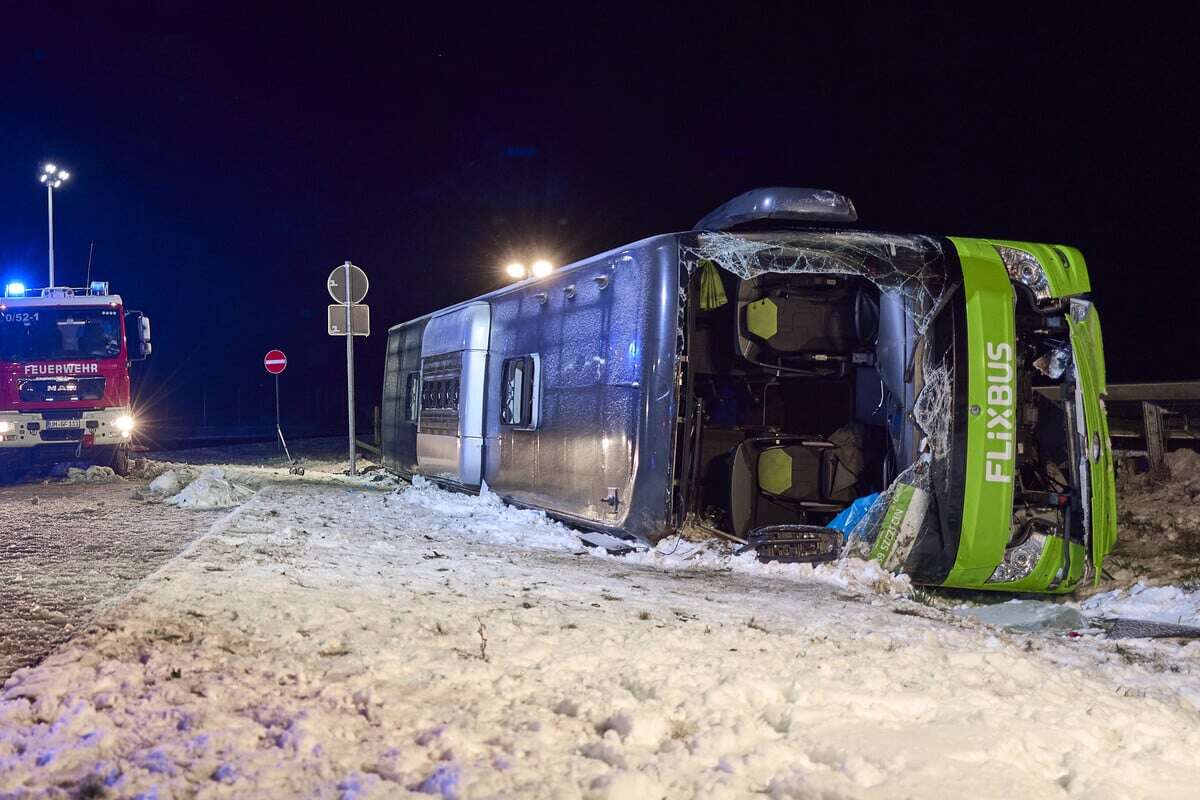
[42, 334]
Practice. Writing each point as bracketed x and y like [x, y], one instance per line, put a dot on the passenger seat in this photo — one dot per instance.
[802, 318]
[780, 479]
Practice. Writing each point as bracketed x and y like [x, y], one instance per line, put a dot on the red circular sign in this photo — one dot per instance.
[275, 362]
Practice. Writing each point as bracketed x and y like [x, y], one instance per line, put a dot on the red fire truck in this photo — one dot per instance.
[64, 376]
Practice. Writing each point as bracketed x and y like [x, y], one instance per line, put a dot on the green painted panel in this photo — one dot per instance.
[762, 318]
[775, 471]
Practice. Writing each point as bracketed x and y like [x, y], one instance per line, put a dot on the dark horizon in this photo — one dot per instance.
[226, 159]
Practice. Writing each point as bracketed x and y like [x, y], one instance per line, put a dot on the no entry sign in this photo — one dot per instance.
[275, 362]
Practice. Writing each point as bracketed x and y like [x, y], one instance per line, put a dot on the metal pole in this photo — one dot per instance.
[50, 217]
[1156, 439]
[278, 427]
[350, 368]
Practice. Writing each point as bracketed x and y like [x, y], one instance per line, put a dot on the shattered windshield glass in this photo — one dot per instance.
[909, 268]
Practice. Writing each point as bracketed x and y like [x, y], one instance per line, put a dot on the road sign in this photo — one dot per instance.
[347, 285]
[360, 320]
[275, 362]
[338, 280]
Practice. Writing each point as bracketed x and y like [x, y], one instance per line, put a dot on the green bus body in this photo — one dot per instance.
[988, 500]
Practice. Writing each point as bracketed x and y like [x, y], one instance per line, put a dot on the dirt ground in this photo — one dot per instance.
[1158, 537]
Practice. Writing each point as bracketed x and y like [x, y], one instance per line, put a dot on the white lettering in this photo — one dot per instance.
[1002, 417]
[62, 369]
[1001, 351]
[1000, 397]
[994, 472]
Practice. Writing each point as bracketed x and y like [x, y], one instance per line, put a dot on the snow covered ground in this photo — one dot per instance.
[67, 548]
[352, 638]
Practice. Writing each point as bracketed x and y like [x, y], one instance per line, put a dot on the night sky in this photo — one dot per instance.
[226, 157]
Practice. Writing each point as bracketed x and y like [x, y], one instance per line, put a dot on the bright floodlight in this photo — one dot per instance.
[63, 175]
[515, 270]
[14, 289]
[542, 268]
[50, 169]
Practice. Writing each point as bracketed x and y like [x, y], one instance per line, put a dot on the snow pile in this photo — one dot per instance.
[485, 516]
[93, 474]
[211, 489]
[848, 574]
[170, 482]
[1152, 603]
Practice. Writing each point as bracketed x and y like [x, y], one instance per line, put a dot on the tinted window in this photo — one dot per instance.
[517, 391]
[412, 396]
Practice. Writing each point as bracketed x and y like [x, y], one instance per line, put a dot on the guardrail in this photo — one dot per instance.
[377, 431]
[1152, 415]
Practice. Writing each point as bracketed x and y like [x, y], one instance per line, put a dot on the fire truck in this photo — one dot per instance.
[65, 395]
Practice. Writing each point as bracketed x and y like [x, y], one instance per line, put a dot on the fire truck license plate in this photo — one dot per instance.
[64, 423]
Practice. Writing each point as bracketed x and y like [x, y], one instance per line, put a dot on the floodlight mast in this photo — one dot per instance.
[53, 177]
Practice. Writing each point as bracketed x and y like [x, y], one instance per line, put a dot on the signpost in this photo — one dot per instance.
[275, 362]
[348, 286]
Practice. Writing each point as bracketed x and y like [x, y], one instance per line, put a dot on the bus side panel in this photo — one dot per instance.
[401, 375]
[598, 339]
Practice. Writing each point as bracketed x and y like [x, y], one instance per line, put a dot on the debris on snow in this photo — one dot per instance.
[848, 574]
[1027, 615]
[1141, 629]
[1151, 603]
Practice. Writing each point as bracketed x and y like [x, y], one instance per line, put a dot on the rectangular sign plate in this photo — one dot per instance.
[360, 317]
[64, 423]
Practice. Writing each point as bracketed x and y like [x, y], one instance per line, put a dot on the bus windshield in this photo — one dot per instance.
[44, 334]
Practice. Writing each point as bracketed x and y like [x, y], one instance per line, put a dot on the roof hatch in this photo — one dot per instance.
[780, 204]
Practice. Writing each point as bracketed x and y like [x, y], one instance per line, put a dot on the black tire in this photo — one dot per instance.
[120, 460]
[10, 468]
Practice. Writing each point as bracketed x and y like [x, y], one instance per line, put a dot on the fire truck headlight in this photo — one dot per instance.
[124, 424]
[6, 427]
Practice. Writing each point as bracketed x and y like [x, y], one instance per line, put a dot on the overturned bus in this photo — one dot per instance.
[785, 380]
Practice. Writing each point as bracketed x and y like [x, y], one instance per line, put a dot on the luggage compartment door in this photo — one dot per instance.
[453, 376]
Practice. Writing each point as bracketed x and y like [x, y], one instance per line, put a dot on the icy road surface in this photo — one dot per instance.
[336, 641]
[67, 548]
